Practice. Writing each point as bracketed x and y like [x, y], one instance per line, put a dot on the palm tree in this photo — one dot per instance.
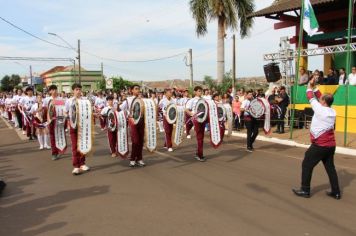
[231, 14]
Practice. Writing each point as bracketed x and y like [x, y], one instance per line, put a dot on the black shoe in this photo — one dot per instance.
[30, 138]
[249, 149]
[201, 159]
[301, 193]
[337, 196]
[277, 132]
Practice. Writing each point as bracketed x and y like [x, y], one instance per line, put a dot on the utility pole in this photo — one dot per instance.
[233, 66]
[30, 75]
[80, 74]
[191, 66]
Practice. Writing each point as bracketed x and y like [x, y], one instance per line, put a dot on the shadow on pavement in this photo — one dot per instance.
[15, 221]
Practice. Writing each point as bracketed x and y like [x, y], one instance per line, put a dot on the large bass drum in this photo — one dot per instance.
[257, 108]
[136, 110]
[111, 120]
[221, 112]
[171, 113]
[73, 114]
[201, 111]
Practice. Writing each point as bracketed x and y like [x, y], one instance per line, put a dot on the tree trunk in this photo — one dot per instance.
[221, 50]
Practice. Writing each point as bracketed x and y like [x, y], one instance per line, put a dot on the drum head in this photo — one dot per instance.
[171, 114]
[136, 110]
[221, 112]
[257, 108]
[73, 115]
[201, 110]
[111, 121]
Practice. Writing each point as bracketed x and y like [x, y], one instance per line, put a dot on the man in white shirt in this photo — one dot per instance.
[198, 127]
[78, 159]
[27, 102]
[342, 77]
[251, 123]
[352, 76]
[137, 131]
[168, 128]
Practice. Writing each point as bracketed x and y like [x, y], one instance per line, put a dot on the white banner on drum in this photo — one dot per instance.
[215, 136]
[150, 124]
[179, 126]
[85, 131]
[122, 140]
[229, 118]
[59, 133]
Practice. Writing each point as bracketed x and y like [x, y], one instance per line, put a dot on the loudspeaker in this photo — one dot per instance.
[272, 72]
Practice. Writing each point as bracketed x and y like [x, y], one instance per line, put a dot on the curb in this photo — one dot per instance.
[339, 150]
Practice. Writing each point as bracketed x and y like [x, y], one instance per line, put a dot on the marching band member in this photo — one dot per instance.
[52, 90]
[137, 131]
[78, 160]
[27, 102]
[2, 105]
[168, 128]
[40, 118]
[99, 104]
[198, 127]
[250, 122]
[8, 102]
[323, 145]
[112, 135]
[187, 119]
[116, 101]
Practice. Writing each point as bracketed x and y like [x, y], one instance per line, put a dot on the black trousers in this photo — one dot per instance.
[280, 122]
[252, 130]
[313, 156]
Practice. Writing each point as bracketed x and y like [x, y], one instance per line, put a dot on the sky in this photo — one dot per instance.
[129, 31]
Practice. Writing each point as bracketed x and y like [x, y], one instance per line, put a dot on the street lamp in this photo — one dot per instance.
[71, 47]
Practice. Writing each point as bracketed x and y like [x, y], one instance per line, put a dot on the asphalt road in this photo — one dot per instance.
[233, 193]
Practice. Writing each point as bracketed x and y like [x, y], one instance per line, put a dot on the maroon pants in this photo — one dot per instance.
[137, 137]
[102, 123]
[112, 138]
[168, 129]
[188, 124]
[77, 158]
[9, 115]
[30, 128]
[199, 132]
[52, 138]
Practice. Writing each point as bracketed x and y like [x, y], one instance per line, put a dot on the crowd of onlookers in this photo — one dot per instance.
[333, 77]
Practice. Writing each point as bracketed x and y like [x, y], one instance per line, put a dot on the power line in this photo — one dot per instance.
[32, 35]
[89, 53]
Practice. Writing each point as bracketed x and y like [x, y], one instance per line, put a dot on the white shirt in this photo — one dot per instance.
[207, 97]
[126, 105]
[100, 102]
[190, 105]
[164, 103]
[105, 110]
[323, 119]
[341, 80]
[245, 105]
[352, 79]
[28, 102]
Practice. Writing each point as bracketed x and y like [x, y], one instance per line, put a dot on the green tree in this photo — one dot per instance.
[8, 83]
[119, 83]
[230, 14]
